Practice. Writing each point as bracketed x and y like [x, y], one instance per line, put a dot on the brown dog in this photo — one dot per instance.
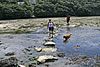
[66, 37]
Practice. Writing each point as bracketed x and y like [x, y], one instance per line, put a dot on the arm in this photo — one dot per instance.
[48, 25]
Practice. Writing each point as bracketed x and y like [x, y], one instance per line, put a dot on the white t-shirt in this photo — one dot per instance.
[50, 24]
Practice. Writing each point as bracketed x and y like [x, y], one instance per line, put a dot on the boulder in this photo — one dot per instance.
[45, 58]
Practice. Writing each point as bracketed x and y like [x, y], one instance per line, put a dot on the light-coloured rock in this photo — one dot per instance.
[44, 58]
[78, 24]
[39, 49]
[22, 66]
[49, 49]
[72, 26]
[50, 43]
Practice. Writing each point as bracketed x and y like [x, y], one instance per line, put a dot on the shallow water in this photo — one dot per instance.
[88, 40]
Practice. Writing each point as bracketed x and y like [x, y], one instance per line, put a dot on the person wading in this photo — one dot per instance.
[68, 19]
[51, 28]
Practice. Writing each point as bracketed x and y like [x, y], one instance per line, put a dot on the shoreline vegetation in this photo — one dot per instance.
[11, 9]
[18, 26]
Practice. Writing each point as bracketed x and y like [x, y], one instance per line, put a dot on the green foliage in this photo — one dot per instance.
[51, 8]
[48, 8]
[43, 10]
[14, 10]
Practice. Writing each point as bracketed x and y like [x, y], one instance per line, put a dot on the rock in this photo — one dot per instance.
[45, 58]
[31, 65]
[49, 49]
[78, 24]
[30, 47]
[49, 43]
[77, 46]
[38, 49]
[61, 54]
[84, 57]
[30, 53]
[22, 66]
[10, 54]
[5, 48]
[45, 49]
[1, 43]
[72, 26]
[10, 62]
[27, 49]
[47, 65]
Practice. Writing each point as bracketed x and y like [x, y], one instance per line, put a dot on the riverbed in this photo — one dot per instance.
[81, 50]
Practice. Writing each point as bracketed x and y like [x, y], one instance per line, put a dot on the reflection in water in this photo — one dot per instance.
[65, 41]
[68, 29]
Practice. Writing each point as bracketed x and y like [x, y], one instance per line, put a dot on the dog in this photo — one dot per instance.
[66, 37]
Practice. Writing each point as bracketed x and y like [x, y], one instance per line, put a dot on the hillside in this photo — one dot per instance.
[10, 9]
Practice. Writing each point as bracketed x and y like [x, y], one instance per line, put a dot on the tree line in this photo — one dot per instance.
[48, 8]
[52, 8]
[11, 9]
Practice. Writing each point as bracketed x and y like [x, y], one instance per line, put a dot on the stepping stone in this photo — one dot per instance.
[39, 49]
[49, 43]
[45, 58]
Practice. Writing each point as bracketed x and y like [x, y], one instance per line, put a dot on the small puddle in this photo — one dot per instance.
[87, 40]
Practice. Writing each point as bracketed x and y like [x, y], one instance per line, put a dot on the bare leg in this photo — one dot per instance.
[52, 34]
[67, 23]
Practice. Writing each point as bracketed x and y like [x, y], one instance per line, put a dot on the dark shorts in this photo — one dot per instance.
[67, 20]
[51, 28]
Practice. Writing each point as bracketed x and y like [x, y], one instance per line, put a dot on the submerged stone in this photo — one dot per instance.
[10, 54]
